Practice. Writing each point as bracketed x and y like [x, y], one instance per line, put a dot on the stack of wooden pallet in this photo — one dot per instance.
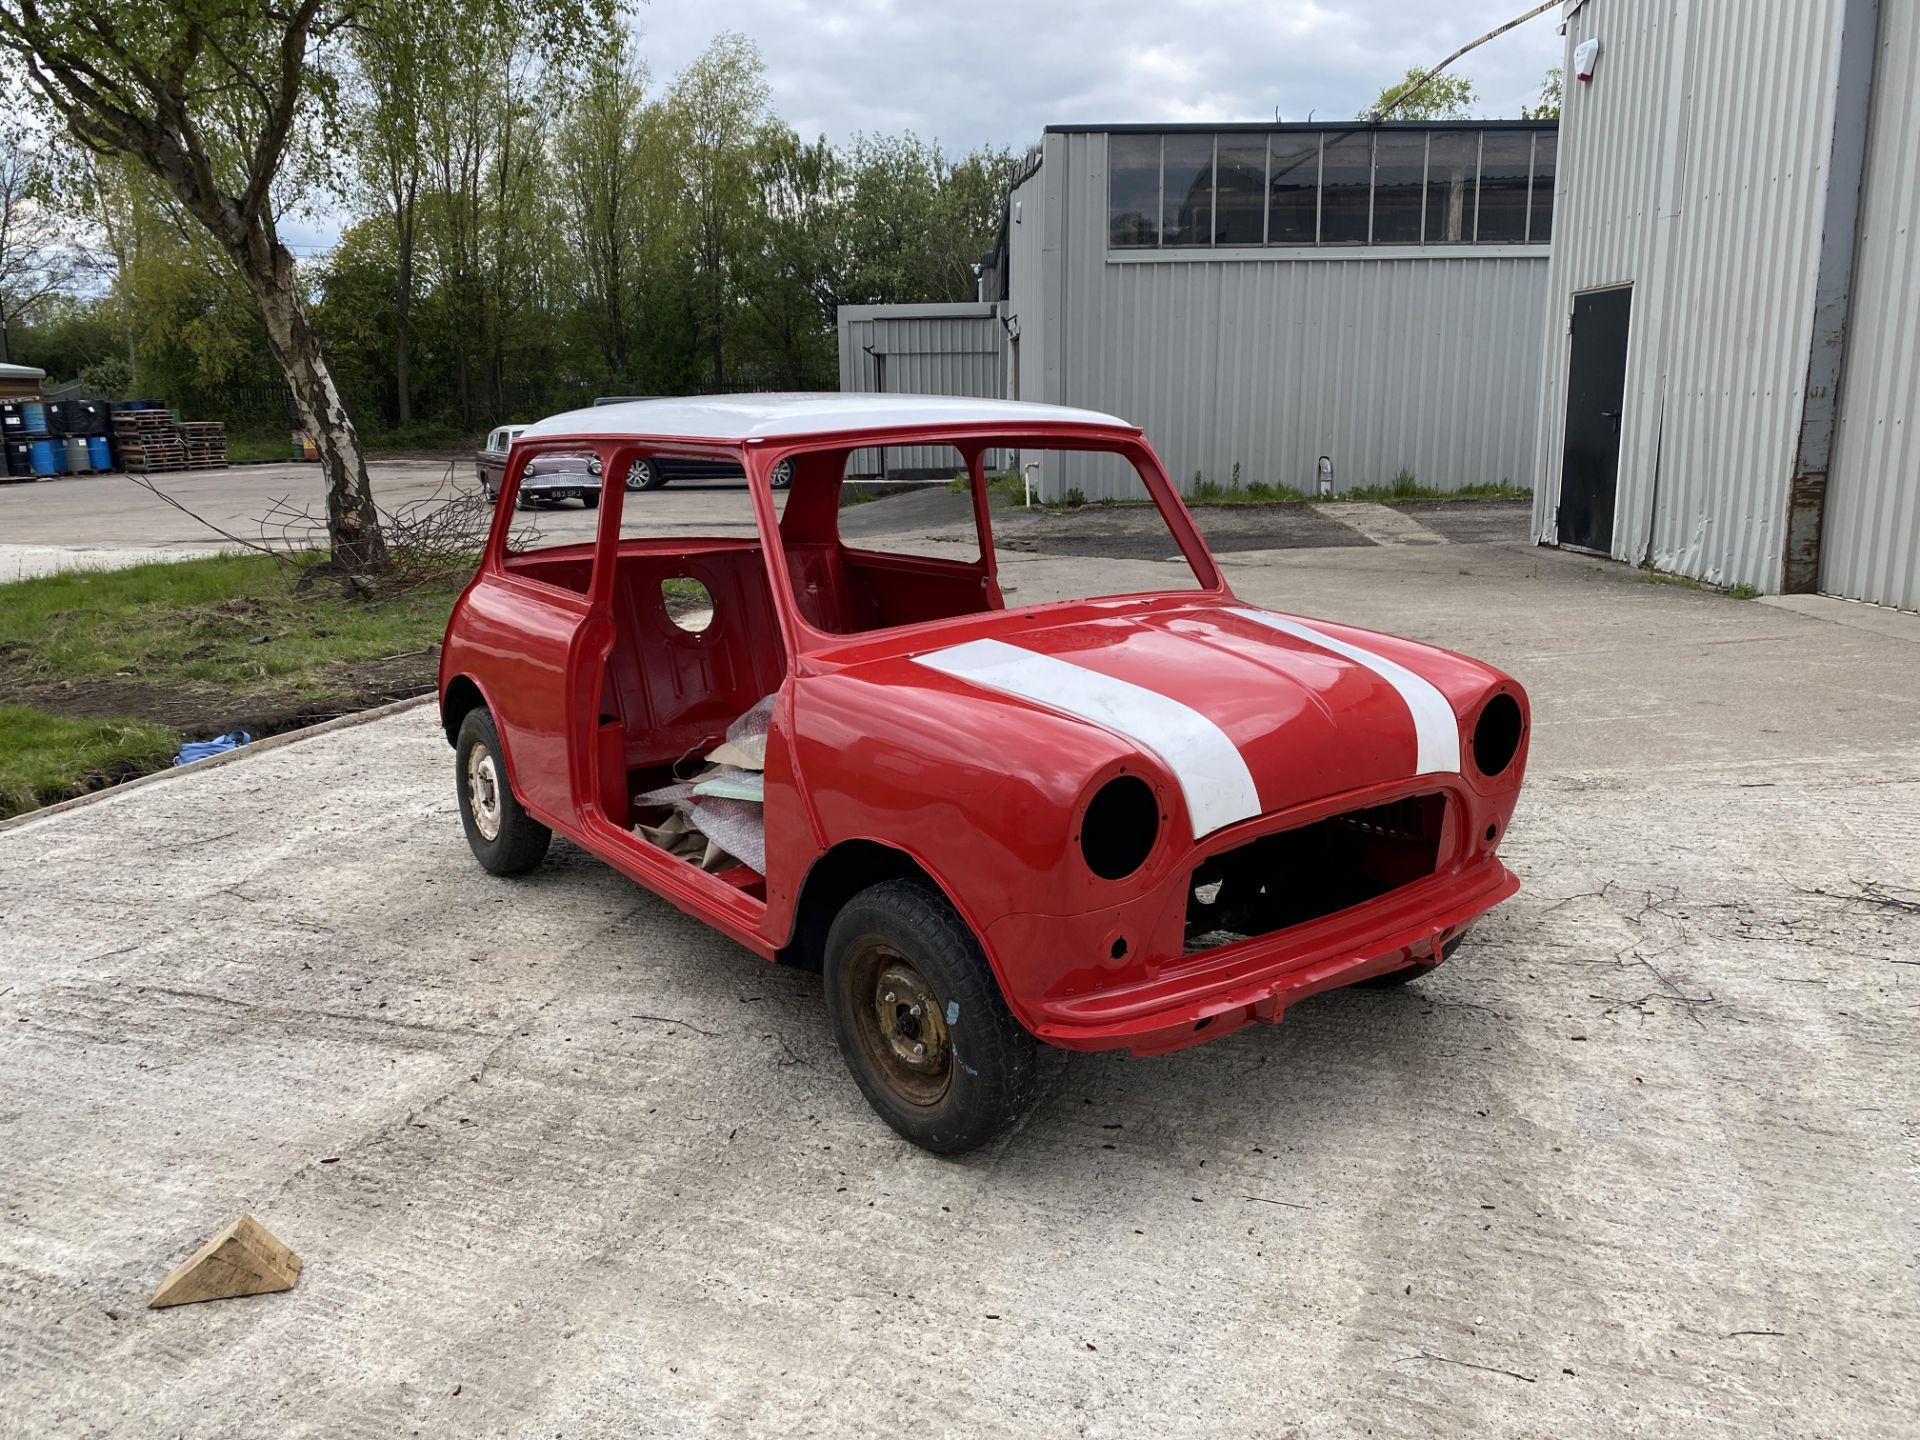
[148, 440]
[206, 442]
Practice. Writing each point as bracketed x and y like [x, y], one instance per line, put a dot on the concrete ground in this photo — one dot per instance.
[1640, 1161]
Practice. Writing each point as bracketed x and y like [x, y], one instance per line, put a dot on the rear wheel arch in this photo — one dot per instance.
[461, 695]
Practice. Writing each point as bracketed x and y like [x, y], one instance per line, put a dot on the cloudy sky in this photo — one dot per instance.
[1000, 70]
[974, 72]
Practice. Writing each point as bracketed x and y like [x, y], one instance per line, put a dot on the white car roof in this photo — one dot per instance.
[754, 417]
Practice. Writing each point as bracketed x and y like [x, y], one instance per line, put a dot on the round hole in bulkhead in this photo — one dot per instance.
[689, 605]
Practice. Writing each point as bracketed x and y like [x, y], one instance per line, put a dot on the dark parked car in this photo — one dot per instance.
[650, 472]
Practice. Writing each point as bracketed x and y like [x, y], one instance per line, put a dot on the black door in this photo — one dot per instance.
[1596, 383]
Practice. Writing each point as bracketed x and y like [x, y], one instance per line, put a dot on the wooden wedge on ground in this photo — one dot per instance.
[242, 1259]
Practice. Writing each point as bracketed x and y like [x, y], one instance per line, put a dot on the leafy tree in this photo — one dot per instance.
[1444, 97]
[719, 106]
[399, 69]
[1549, 106]
[600, 165]
[37, 258]
[234, 106]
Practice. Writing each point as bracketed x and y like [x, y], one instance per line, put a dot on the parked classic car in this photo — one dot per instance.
[551, 479]
[490, 461]
[1137, 821]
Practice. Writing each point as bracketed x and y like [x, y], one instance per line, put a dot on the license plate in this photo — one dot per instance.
[565, 494]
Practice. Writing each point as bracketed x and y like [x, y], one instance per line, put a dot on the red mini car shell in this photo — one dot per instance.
[1149, 819]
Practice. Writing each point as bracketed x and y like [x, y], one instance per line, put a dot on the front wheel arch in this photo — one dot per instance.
[843, 872]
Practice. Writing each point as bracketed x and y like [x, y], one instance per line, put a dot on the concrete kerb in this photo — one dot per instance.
[226, 757]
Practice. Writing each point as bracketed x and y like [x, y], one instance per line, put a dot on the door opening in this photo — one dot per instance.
[1596, 391]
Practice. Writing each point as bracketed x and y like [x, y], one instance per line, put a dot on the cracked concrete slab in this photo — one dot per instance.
[1641, 1160]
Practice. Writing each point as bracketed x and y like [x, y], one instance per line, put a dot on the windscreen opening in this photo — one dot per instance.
[900, 552]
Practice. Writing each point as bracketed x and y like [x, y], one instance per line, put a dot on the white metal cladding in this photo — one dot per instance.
[920, 350]
[1381, 360]
[1871, 546]
[1027, 257]
[1693, 168]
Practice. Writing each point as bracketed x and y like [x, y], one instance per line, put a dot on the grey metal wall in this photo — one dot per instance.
[1871, 547]
[1693, 168]
[1382, 360]
[927, 350]
[1028, 259]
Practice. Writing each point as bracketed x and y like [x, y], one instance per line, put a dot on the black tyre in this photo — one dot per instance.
[591, 502]
[523, 502]
[644, 474]
[921, 1022]
[781, 476]
[505, 839]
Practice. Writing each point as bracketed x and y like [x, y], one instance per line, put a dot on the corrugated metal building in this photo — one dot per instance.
[1730, 388]
[1258, 296]
[920, 350]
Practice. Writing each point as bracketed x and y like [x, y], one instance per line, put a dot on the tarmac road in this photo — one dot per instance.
[1640, 1161]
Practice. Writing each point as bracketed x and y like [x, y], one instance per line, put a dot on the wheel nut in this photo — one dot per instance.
[890, 997]
[914, 1011]
[919, 1050]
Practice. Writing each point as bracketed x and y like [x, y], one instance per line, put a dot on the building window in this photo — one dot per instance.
[1186, 190]
[1133, 190]
[1401, 185]
[1399, 173]
[1240, 190]
[1546, 145]
[1346, 178]
[1453, 177]
[1293, 189]
[1506, 166]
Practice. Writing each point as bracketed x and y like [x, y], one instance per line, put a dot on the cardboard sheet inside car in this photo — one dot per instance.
[1135, 821]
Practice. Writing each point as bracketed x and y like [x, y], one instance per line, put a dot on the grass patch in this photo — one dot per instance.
[112, 666]
[45, 758]
[232, 621]
[259, 442]
[421, 435]
[1404, 488]
[1686, 582]
[254, 442]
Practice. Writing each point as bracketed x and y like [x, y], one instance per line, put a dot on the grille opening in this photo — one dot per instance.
[1317, 870]
[1496, 738]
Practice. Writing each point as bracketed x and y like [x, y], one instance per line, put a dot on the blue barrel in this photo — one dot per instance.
[33, 417]
[43, 453]
[59, 448]
[99, 452]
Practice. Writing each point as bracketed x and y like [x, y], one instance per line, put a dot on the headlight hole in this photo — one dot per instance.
[1496, 737]
[1123, 821]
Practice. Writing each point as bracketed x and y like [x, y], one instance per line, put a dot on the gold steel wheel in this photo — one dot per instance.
[899, 1025]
